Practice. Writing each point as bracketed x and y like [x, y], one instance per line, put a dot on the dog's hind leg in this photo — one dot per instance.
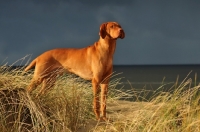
[33, 85]
[47, 83]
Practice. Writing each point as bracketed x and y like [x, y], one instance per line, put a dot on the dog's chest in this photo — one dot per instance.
[105, 63]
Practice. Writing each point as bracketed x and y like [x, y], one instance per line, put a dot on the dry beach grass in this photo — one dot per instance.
[68, 107]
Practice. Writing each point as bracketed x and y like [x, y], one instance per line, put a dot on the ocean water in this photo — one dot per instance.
[153, 76]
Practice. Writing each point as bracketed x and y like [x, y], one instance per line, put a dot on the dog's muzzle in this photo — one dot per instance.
[121, 34]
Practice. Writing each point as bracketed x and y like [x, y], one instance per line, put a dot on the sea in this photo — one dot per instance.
[152, 77]
[142, 82]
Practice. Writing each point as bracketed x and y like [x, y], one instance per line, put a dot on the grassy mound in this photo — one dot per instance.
[68, 106]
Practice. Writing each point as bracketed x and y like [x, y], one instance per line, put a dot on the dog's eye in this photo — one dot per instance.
[112, 26]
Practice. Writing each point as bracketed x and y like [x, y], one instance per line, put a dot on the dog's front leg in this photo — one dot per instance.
[96, 103]
[104, 90]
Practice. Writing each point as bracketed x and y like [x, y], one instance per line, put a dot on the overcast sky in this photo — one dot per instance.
[157, 32]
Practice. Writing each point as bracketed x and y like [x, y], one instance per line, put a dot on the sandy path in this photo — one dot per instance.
[118, 111]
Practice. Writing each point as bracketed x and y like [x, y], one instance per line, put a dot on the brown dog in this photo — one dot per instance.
[92, 63]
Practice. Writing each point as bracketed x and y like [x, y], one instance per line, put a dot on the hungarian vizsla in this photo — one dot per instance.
[94, 63]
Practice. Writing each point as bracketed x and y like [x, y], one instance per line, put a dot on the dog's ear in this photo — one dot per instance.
[122, 34]
[102, 31]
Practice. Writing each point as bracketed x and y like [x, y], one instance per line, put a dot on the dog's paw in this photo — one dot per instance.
[105, 119]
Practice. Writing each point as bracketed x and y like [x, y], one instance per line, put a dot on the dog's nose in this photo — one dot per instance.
[121, 33]
[120, 30]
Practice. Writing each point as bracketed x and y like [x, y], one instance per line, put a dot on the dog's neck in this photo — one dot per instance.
[107, 45]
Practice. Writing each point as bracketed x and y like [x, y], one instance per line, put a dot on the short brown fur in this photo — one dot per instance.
[93, 63]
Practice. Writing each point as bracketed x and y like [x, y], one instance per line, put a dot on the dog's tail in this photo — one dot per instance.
[32, 64]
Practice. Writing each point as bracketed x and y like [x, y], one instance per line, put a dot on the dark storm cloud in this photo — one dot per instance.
[157, 32]
[165, 33]
[107, 3]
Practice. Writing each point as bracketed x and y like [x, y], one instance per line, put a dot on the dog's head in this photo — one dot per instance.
[111, 29]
